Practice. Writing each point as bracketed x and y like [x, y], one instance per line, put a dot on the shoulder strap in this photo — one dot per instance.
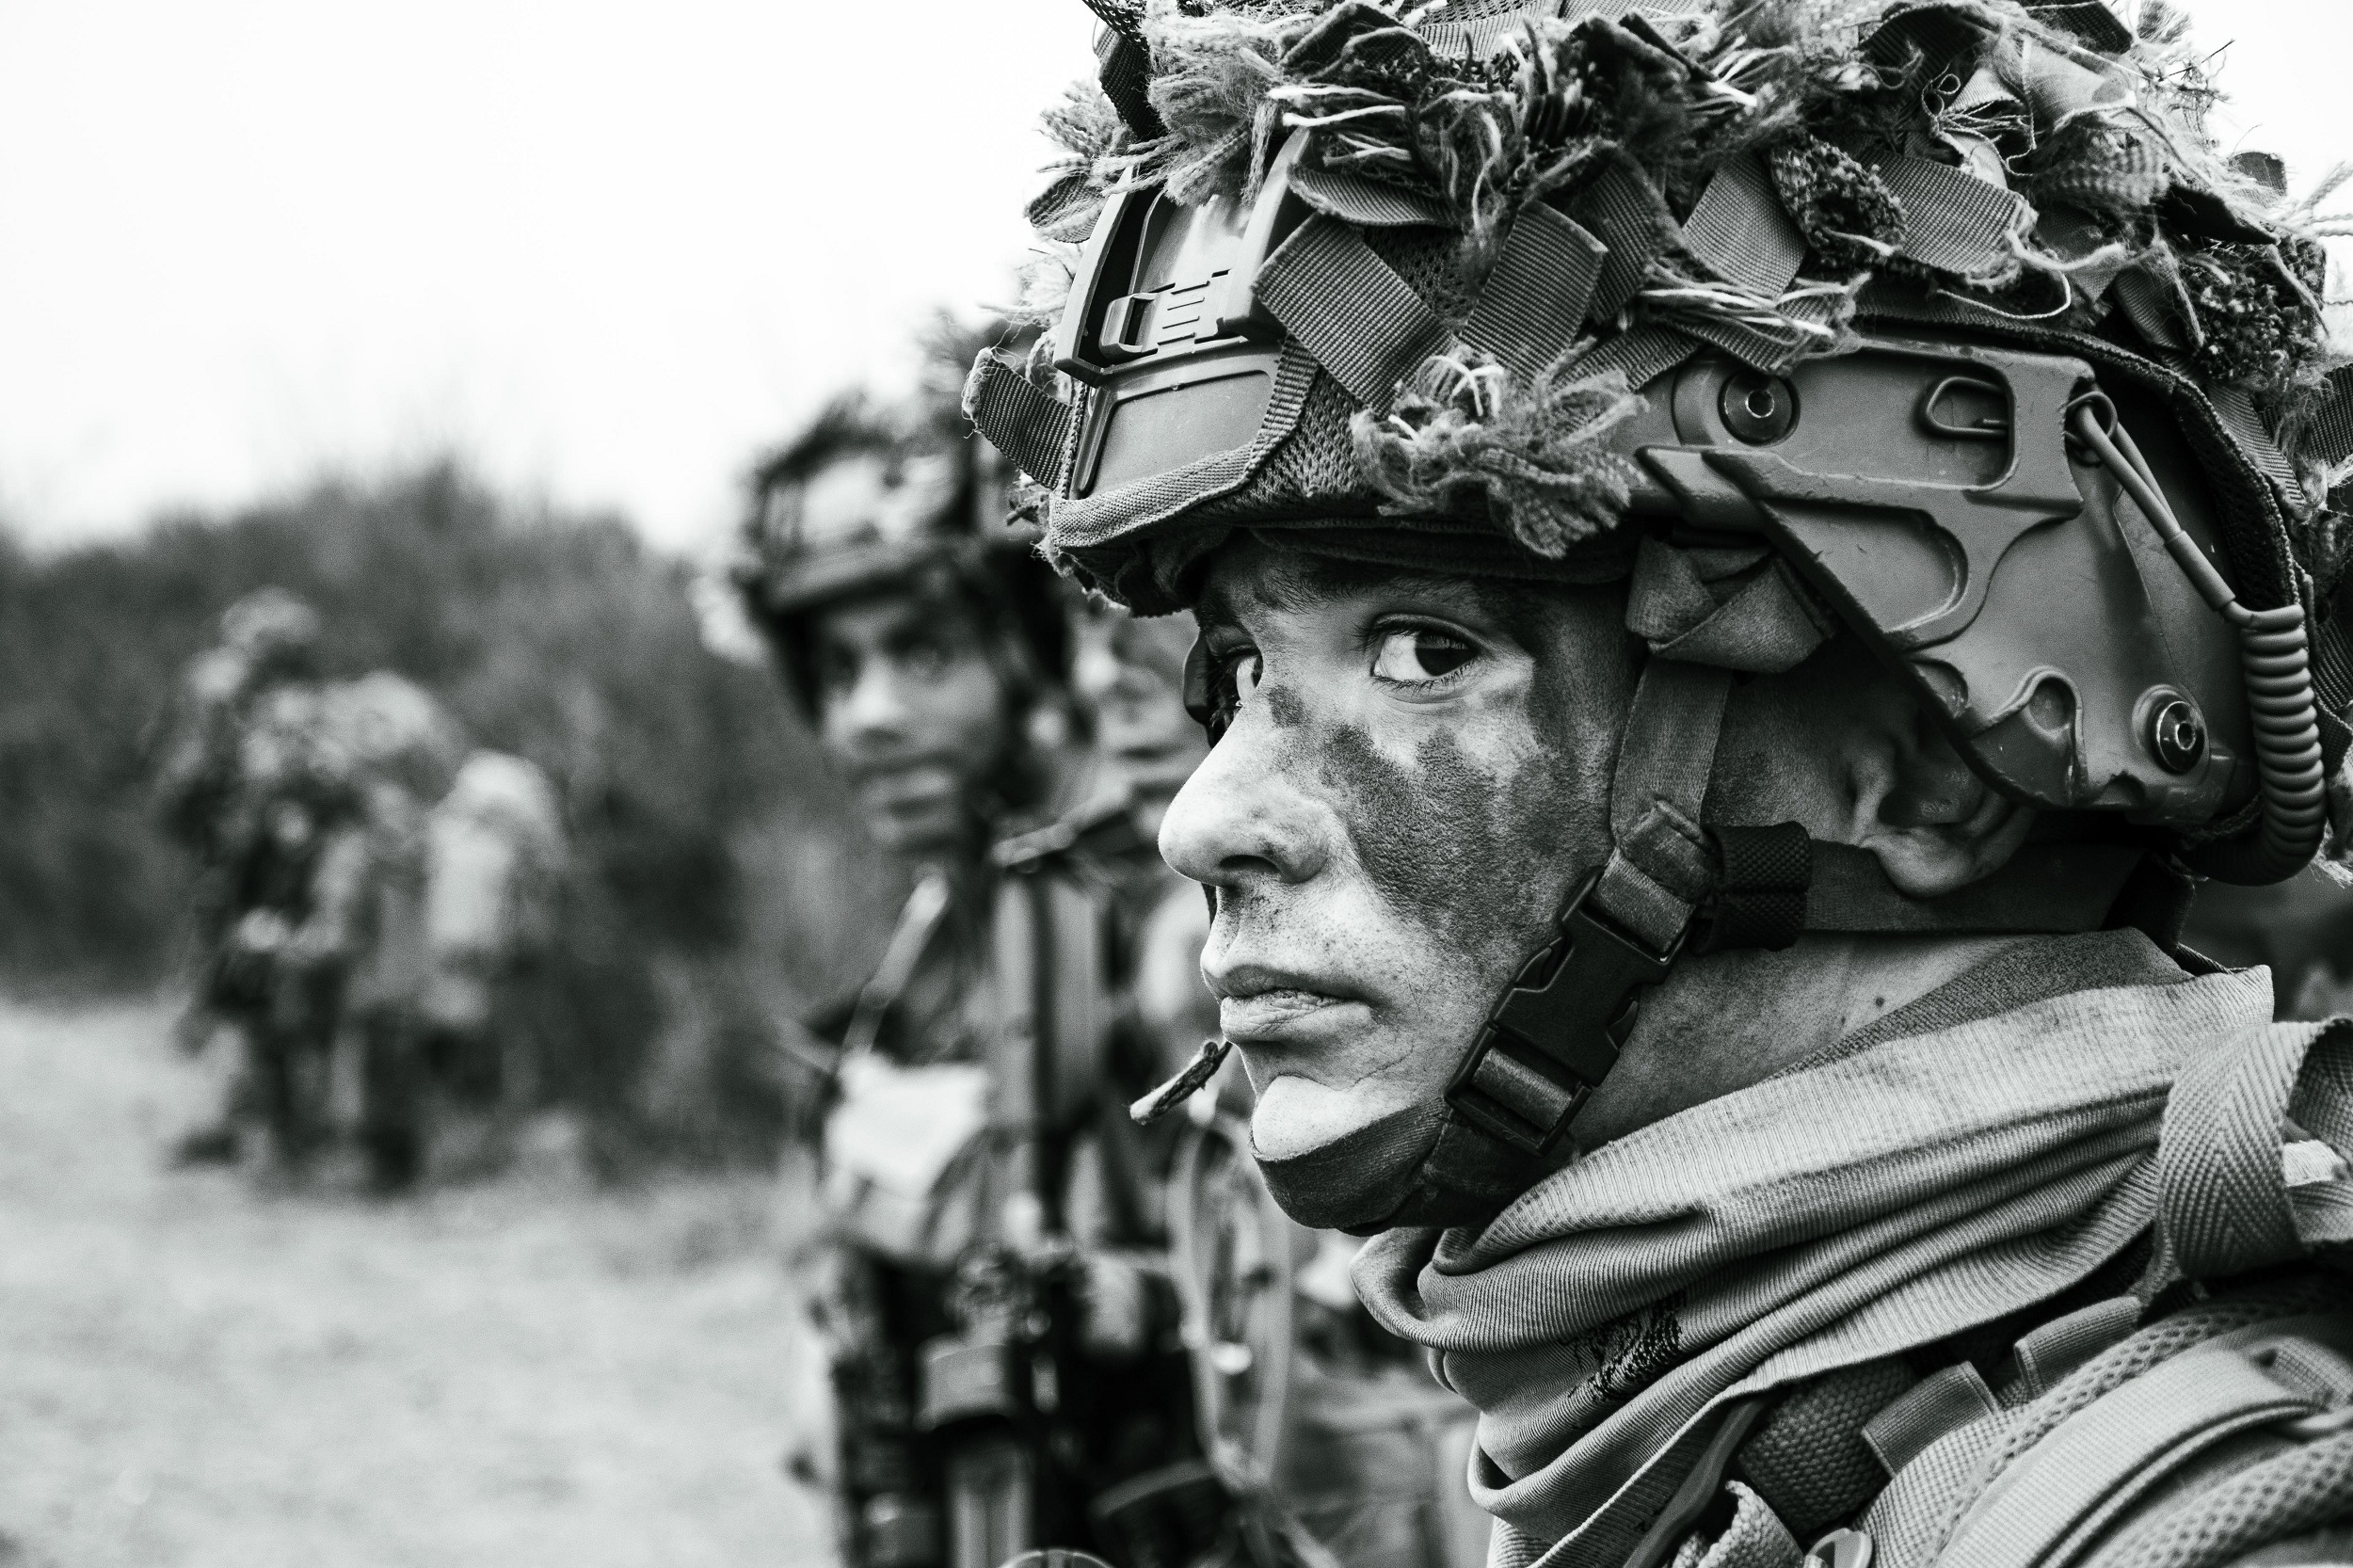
[919, 922]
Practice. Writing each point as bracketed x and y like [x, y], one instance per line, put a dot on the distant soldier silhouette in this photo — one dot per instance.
[268, 643]
[494, 860]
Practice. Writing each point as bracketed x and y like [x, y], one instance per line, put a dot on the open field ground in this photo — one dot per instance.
[195, 1372]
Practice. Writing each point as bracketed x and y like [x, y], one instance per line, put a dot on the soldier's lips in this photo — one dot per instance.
[907, 786]
[1262, 1006]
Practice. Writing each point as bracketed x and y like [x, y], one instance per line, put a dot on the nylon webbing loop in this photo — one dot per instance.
[1641, 355]
[1124, 67]
[1533, 305]
[2236, 406]
[1345, 306]
[1366, 203]
[1955, 222]
[1624, 210]
[2223, 1206]
[1027, 425]
[2046, 890]
[1739, 231]
[1659, 868]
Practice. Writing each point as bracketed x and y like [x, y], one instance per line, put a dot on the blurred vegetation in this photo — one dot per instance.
[716, 891]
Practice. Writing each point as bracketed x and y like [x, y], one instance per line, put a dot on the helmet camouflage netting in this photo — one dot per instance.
[1554, 204]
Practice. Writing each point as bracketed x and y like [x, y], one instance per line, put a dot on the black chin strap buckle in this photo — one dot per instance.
[1557, 1030]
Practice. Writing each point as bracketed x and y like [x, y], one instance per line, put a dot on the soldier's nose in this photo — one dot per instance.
[1242, 816]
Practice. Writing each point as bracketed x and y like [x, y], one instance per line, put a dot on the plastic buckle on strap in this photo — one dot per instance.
[1557, 1030]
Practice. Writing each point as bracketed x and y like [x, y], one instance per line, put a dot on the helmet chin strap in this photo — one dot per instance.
[1668, 888]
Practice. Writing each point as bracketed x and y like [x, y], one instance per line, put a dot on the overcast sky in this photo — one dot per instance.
[606, 251]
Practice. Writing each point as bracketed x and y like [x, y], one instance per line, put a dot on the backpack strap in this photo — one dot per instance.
[2095, 1467]
[2073, 1455]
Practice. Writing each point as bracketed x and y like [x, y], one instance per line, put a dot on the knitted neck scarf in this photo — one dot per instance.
[1902, 1189]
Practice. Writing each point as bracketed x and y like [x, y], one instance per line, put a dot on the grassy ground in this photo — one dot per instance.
[194, 1372]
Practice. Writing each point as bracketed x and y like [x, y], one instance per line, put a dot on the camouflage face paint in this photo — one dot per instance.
[1461, 847]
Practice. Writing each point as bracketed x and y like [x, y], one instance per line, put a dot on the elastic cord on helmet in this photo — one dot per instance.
[2276, 655]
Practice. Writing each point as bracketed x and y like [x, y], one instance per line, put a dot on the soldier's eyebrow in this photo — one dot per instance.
[1285, 579]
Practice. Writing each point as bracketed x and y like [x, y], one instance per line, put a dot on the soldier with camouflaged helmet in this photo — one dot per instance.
[996, 1313]
[1750, 560]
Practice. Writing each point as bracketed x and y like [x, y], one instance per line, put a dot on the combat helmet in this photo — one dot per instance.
[1941, 323]
[869, 497]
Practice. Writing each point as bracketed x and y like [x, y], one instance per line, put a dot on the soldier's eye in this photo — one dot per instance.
[1415, 655]
[1236, 675]
[1249, 669]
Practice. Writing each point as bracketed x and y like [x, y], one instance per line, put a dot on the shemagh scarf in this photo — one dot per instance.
[1880, 1199]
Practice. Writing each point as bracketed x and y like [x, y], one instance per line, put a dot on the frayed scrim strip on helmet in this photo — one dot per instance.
[1088, 130]
[1212, 76]
[1461, 431]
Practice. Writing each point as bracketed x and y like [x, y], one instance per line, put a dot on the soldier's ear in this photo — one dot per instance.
[1934, 825]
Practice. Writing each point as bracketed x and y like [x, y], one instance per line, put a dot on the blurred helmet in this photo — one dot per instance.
[868, 500]
[509, 794]
[384, 728]
[270, 629]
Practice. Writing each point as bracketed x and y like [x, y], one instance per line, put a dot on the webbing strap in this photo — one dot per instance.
[2097, 1461]
[1345, 306]
[2330, 438]
[2046, 889]
[1366, 203]
[1953, 221]
[1534, 302]
[1939, 1404]
[2155, 303]
[1621, 207]
[2236, 406]
[1739, 231]
[1029, 424]
[2223, 1204]
[1658, 868]
[1124, 67]
[1641, 355]
[1475, 31]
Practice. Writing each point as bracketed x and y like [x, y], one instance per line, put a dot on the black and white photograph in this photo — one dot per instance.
[1177, 784]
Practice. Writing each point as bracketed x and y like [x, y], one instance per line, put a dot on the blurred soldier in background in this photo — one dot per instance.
[304, 803]
[1001, 1356]
[330, 908]
[495, 856]
[404, 750]
[268, 641]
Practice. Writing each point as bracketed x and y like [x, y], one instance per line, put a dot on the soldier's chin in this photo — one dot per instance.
[1340, 1171]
